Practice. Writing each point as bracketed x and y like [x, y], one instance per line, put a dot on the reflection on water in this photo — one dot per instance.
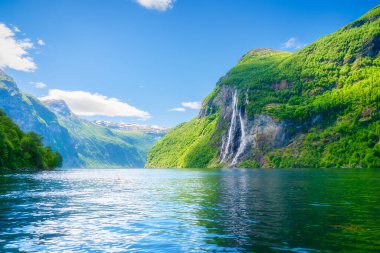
[190, 211]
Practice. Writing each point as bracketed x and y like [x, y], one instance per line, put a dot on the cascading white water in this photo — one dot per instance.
[226, 150]
[238, 122]
[243, 138]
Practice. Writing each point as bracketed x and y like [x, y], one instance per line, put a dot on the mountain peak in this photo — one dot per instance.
[259, 54]
[58, 106]
[262, 52]
[7, 83]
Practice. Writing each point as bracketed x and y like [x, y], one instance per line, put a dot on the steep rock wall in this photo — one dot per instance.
[244, 137]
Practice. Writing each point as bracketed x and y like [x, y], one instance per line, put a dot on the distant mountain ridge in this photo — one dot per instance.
[103, 146]
[80, 142]
[58, 106]
[132, 127]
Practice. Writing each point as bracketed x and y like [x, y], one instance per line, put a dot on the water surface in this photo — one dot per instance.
[141, 210]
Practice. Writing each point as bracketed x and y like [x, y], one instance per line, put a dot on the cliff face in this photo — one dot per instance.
[318, 107]
[243, 133]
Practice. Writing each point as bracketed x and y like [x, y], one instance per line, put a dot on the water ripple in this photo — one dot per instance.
[140, 210]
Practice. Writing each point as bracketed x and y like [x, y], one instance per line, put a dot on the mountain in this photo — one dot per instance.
[104, 145]
[154, 130]
[31, 115]
[318, 107]
[19, 150]
[81, 143]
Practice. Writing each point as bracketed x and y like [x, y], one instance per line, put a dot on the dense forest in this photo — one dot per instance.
[19, 150]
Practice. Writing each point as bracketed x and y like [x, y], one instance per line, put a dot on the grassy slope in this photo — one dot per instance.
[336, 80]
[186, 146]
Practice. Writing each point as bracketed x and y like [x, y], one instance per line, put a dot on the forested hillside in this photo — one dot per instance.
[19, 150]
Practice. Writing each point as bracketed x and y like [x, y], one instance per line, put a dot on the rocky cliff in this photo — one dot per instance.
[242, 133]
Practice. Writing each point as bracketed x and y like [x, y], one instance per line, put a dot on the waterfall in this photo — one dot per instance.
[243, 138]
[238, 124]
[231, 130]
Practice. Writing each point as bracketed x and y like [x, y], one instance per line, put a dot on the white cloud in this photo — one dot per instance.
[38, 85]
[84, 103]
[14, 53]
[41, 42]
[16, 30]
[179, 109]
[293, 44]
[161, 5]
[192, 105]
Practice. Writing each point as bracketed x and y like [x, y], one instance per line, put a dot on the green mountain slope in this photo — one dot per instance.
[19, 150]
[318, 107]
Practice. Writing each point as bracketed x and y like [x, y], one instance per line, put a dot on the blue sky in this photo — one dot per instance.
[135, 60]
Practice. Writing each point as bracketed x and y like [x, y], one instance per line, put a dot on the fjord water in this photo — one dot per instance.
[140, 210]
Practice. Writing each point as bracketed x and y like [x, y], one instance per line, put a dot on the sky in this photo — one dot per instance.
[150, 61]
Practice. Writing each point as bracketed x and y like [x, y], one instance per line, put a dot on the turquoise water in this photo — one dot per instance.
[140, 210]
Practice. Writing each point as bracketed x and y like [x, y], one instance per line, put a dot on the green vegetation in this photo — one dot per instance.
[330, 90]
[186, 146]
[24, 150]
[248, 164]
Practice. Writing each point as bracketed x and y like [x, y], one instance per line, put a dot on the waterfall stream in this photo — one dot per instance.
[243, 138]
[238, 125]
[231, 130]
